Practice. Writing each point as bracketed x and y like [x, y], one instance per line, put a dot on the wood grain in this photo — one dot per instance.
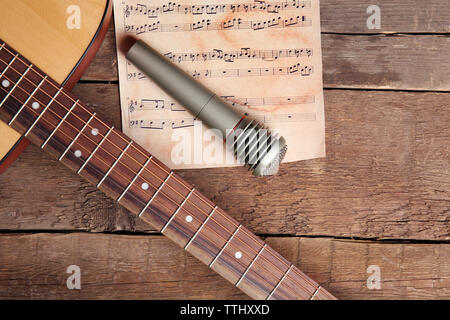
[386, 62]
[9, 139]
[401, 62]
[152, 267]
[64, 127]
[18, 21]
[361, 189]
[386, 176]
[406, 16]
[59, 47]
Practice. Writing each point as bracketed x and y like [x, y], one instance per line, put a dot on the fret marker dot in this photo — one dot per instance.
[77, 153]
[94, 131]
[189, 219]
[145, 186]
[238, 255]
[5, 83]
[35, 105]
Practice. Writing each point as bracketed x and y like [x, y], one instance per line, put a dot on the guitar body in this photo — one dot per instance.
[60, 37]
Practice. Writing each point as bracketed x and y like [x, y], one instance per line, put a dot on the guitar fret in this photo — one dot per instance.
[76, 137]
[43, 111]
[315, 292]
[95, 150]
[278, 284]
[9, 64]
[15, 85]
[242, 258]
[59, 124]
[322, 294]
[250, 266]
[228, 241]
[134, 179]
[179, 208]
[26, 101]
[115, 162]
[201, 227]
[156, 193]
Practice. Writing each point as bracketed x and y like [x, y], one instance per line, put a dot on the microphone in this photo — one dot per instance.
[252, 143]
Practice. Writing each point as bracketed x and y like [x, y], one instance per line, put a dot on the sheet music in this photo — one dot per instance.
[263, 57]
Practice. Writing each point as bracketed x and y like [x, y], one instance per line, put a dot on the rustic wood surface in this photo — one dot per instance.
[361, 189]
[152, 267]
[371, 61]
[380, 197]
[400, 16]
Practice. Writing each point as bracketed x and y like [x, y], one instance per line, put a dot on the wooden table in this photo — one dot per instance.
[380, 198]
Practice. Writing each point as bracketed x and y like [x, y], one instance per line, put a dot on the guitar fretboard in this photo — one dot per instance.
[53, 119]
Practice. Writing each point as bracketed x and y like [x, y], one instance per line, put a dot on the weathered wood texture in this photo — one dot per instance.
[401, 16]
[386, 62]
[407, 62]
[386, 176]
[152, 267]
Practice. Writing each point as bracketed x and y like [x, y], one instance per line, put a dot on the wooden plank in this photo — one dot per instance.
[413, 16]
[405, 62]
[386, 176]
[386, 62]
[151, 267]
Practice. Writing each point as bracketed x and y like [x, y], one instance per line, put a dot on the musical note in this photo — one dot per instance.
[161, 104]
[213, 9]
[161, 124]
[263, 101]
[208, 25]
[296, 117]
[262, 57]
[158, 104]
[295, 69]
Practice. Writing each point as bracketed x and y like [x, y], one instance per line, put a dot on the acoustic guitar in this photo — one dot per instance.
[35, 103]
[60, 36]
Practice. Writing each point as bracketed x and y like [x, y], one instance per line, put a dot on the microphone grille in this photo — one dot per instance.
[257, 147]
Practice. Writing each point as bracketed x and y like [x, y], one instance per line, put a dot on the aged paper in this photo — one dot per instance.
[264, 57]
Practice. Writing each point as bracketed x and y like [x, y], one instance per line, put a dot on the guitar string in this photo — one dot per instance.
[249, 234]
[138, 150]
[82, 107]
[252, 259]
[227, 241]
[181, 182]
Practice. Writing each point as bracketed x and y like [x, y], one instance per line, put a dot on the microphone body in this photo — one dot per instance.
[251, 143]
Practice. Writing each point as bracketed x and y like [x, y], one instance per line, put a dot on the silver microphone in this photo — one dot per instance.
[252, 143]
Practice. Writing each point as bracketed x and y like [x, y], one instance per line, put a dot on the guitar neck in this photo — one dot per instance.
[53, 119]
